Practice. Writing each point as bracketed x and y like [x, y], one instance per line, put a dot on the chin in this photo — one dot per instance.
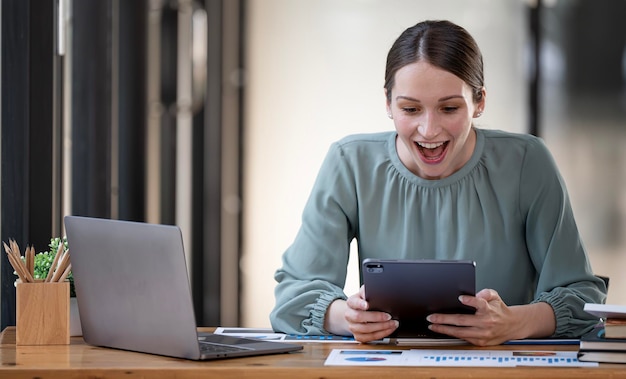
[430, 174]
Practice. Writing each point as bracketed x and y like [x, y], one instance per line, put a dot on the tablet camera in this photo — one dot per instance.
[374, 268]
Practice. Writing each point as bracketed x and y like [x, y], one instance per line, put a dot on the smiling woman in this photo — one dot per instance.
[433, 110]
[329, 84]
[440, 188]
[434, 85]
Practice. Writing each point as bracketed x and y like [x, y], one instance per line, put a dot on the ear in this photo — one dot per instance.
[480, 106]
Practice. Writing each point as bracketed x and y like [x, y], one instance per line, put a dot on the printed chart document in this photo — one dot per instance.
[454, 358]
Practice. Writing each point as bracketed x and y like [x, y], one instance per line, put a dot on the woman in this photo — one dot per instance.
[440, 188]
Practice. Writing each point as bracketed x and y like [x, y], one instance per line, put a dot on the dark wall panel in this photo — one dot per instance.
[28, 58]
[91, 108]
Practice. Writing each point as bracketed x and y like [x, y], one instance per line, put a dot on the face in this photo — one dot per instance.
[432, 110]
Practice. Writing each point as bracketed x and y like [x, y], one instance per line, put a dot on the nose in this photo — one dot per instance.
[428, 126]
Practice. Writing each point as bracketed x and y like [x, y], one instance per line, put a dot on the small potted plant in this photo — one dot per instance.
[44, 260]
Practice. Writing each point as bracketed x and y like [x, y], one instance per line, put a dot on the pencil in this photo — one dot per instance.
[66, 272]
[27, 259]
[31, 261]
[55, 262]
[63, 263]
[15, 250]
[16, 266]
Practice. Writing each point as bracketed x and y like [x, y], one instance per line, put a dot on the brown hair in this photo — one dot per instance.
[442, 44]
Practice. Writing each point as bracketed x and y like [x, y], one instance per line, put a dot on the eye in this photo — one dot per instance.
[409, 109]
[450, 109]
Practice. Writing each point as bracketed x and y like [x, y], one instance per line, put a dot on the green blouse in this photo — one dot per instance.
[507, 209]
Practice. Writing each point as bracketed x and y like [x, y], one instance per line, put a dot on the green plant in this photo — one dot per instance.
[43, 261]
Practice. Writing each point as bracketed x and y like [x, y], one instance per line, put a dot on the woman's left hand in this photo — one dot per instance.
[494, 322]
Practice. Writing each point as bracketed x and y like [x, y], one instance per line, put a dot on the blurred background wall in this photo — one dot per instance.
[315, 73]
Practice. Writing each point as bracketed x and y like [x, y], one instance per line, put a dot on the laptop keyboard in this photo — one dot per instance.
[209, 347]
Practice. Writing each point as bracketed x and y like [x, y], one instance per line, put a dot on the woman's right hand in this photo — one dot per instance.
[353, 315]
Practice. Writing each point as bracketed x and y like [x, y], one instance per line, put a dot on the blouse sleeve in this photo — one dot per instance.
[314, 267]
[566, 280]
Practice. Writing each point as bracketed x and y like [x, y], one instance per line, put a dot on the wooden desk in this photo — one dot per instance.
[79, 360]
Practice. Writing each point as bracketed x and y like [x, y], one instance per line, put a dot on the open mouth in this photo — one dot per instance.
[432, 152]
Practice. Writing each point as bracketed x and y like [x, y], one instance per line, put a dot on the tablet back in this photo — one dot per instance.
[410, 290]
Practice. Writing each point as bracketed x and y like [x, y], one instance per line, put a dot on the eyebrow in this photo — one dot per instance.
[445, 98]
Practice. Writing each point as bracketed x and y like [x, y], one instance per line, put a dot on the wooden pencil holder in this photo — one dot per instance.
[42, 313]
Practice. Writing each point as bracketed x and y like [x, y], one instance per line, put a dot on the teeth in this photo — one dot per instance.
[430, 145]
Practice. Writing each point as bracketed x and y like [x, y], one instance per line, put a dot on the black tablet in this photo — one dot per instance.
[410, 290]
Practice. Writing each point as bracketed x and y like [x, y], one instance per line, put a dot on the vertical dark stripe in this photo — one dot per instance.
[168, 92]
[14, 159]
[197, 213]
[241, 118]
[91, 107]
[57, 130]
[534, 98]
[40, 126]
[132, 109]
[27, 129]
[211, 267]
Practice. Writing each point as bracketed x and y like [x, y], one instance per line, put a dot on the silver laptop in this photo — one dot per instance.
[133, 292]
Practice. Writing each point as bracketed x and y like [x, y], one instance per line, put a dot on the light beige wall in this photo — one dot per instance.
[315, 73]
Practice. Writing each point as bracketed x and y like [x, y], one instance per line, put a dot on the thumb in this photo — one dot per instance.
[362, 291]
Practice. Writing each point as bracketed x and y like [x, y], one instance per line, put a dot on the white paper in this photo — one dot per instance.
[454, 358]
[269, 334]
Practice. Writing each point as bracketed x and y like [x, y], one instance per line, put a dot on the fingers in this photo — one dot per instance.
[475, 302]
[368, 332]
[488, 294]
[367, 326]
[473, 335]
[491, 324]
[481, 300]
[451, 319]
[357, 303]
